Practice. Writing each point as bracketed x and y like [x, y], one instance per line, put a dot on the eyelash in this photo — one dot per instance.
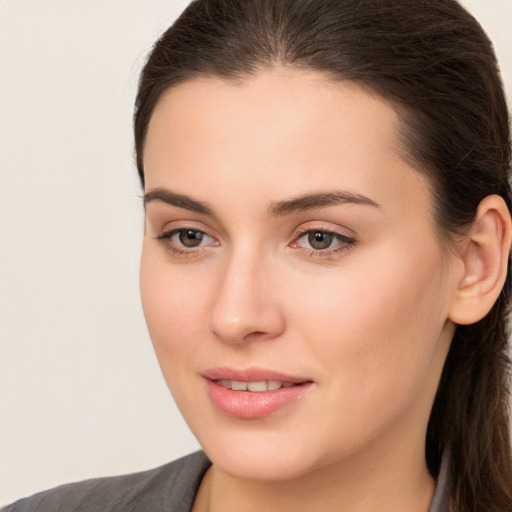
[165, 238]
[345, 242]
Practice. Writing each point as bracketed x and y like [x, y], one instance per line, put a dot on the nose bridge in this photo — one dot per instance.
[245, 305]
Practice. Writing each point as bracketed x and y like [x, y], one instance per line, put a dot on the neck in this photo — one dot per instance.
[394, 483]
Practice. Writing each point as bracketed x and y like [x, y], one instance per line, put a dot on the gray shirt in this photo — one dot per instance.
[168, 488]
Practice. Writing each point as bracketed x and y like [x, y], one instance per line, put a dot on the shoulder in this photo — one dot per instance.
[170, 487]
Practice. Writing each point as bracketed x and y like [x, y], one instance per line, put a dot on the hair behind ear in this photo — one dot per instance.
[470, 416]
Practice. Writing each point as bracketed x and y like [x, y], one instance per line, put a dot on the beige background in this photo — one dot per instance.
[80, 391]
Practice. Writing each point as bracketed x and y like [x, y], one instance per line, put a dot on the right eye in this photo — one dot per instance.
[189, 237]
[185, 239]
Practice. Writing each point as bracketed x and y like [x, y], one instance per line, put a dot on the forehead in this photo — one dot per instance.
[309, 131]
[277, 102]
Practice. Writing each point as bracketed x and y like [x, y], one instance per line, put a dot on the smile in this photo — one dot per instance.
[255, 392]
[254, 386]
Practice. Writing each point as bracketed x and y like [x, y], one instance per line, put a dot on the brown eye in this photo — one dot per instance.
[190, 237]
[320, 239]
[186, 241]
[323, 242]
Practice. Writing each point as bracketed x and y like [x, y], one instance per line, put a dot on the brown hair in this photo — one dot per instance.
[434, 63]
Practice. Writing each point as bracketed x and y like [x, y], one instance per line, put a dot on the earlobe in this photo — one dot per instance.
[485, 253]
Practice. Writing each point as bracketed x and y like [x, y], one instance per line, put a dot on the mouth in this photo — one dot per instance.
[254, 393]
[257, 386]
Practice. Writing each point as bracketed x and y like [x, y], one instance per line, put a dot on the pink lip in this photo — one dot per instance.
[252, 375]
[252, 405]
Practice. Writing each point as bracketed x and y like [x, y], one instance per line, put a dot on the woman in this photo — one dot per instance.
[324, 267]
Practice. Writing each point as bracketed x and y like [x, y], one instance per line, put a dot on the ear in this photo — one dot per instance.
[484, 254]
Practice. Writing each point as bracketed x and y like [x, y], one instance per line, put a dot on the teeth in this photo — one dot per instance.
[256, 386]
[273, 384]
[225, 383]
[237, 385]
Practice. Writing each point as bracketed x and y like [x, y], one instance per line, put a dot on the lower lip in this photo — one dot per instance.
[253, 404]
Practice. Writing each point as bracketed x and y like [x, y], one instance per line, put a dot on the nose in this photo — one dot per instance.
[246, 306]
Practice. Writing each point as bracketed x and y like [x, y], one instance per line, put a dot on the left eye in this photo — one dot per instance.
[319, 240]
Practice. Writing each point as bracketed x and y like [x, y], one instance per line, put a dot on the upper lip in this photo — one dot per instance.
[251, 375]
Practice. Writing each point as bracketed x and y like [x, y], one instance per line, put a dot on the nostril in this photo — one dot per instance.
[255, 334]
[237, 316]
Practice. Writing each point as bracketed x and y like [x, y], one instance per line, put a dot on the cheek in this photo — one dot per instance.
[174, 304]
[376, 327]
[175, 309]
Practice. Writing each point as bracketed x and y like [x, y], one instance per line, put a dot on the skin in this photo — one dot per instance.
[367, 322]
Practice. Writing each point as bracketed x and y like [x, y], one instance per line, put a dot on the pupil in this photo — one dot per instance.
[190, 238]
[320, 240]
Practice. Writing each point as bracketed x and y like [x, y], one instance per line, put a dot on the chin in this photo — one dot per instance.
[260, 463]
[261, 456]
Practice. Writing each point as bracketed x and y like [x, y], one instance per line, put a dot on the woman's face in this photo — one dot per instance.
[289, 246]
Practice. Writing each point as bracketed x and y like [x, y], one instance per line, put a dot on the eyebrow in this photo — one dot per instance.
[179, 200]
[318, 200]
[277, 209]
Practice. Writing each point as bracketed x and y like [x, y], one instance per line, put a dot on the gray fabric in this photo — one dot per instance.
[169, 488]
[441, 499]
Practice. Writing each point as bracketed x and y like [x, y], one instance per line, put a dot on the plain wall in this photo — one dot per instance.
[81, 393]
